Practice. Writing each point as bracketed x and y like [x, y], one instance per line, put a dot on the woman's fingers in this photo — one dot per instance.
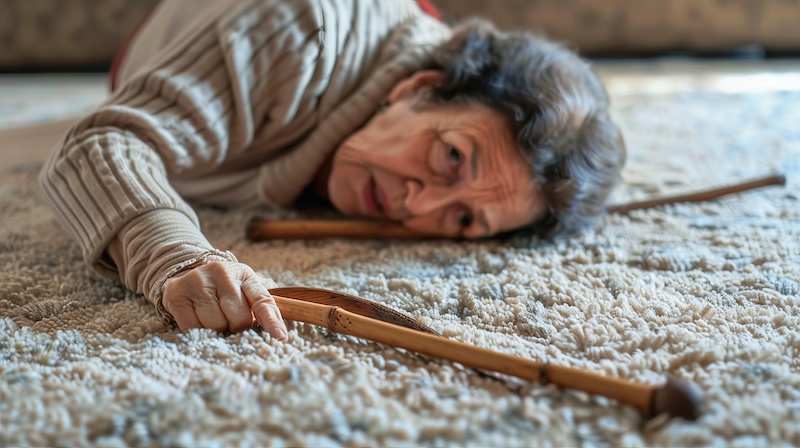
[179, 305]
[263, 305]
[210, 314]
[223, 296]
[184, 316]
[234, 305]
[191, 297]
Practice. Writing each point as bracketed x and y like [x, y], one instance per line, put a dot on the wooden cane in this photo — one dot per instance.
[261, 229]
[702, 195]
[675, 398]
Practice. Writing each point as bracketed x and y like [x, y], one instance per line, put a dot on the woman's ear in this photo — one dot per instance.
[415, 83]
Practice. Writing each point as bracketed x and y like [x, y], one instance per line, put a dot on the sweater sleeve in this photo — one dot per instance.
[153, 247]
[184, 115]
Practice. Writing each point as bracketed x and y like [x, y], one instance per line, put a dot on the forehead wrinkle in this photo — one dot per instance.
[510, 209]
[493, 155]
[503, 188]
[503, 191]
[496, 193]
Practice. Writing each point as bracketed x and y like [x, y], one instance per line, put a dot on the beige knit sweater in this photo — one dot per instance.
[240, 109]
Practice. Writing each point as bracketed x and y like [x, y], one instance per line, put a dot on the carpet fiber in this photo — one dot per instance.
[706, 292]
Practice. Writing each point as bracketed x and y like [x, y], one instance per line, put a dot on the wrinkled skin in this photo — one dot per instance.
[449, 170]
[223, 296]
[444, 170]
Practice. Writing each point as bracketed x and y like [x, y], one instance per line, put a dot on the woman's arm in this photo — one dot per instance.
[196, 106]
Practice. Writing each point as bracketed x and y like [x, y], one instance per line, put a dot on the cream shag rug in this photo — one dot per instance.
[706, 292]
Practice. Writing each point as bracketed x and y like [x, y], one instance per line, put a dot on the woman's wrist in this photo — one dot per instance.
[155, 247]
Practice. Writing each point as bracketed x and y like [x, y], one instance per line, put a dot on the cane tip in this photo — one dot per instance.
[677, 399]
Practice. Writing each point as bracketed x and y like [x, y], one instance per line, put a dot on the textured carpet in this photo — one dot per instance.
[706, 292]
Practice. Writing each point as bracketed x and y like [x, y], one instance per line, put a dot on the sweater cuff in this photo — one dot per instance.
[155, 246]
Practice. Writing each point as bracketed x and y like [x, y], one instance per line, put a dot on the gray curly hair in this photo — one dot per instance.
[558, 109]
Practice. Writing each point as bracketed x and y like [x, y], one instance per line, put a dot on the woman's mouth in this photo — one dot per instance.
[372, 198]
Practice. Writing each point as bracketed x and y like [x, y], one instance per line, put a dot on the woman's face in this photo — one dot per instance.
[450, 170]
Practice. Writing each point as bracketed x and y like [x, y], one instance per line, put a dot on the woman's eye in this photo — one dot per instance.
[454, 155]
[464, 219]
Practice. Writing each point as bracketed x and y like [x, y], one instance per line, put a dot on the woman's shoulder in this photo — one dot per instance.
[320, 50]
[373, 18]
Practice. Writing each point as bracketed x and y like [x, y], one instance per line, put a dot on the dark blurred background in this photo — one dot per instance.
[84, 35]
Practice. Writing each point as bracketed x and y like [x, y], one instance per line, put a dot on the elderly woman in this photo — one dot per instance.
[373, 105]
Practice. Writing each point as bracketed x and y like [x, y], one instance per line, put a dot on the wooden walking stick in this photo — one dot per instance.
[261, 229]
[702, 195]
[359, 317]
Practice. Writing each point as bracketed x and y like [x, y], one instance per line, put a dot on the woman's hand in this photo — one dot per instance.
[223, 296]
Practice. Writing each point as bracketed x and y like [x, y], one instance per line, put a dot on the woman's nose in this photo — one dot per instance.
[422, 199]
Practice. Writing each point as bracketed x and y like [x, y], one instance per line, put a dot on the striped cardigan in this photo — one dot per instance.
[240, 109]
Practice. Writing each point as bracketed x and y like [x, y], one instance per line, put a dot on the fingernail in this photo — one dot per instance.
[279, 334]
